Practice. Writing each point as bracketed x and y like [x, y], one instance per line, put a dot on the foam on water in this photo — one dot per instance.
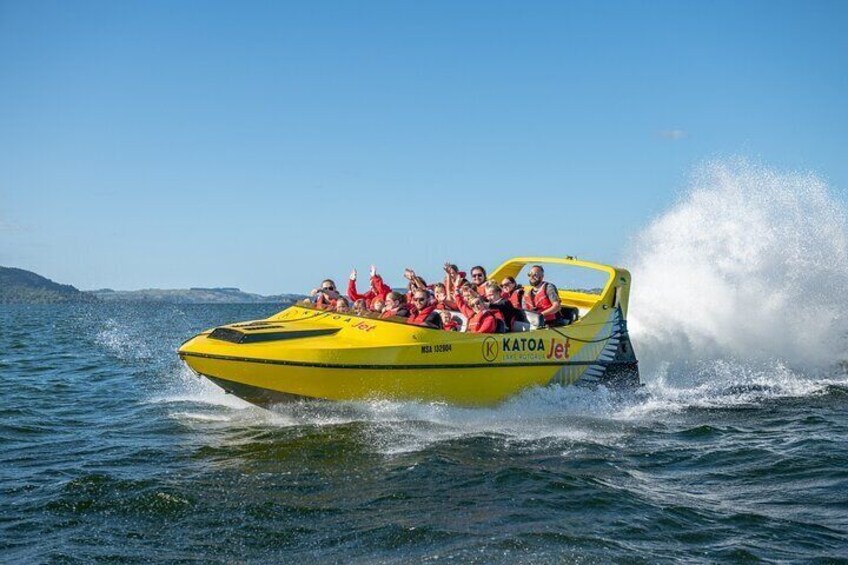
[189, 387]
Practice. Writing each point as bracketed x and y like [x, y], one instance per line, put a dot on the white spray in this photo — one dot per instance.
[751, 265]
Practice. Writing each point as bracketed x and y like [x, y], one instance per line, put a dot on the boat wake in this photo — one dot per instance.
[738, 300]
[570, 417]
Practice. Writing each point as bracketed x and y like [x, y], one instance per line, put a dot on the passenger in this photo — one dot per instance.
[451, 272]
[342, 305]
[464, 298]
[513, 292]
[440, 294]
[448, 323]
[467, 294]
[415, 281]
[379, 289]
[378, 305]
[326, 295]
[494, 296]
[478, 279]
[480, 318]
[467, 291]
[395, 306]
[360, 308]
[543, 298]
[422, 312]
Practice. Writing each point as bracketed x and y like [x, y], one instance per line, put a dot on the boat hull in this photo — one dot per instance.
[303, 353]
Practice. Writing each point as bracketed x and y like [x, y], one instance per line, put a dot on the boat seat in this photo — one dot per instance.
[570, 314]
[527, 320]
[501, 329]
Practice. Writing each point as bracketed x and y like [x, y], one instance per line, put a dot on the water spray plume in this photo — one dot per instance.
[750, 264]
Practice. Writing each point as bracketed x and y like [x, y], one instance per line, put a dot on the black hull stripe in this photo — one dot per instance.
[264, 397]
[400, 367]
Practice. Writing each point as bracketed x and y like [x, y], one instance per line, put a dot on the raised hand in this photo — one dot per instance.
[373, 271]
[353, 274]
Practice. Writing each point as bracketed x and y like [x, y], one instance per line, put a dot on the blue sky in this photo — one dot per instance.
[266, 145]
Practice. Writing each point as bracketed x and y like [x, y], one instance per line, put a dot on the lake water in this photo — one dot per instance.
[112, 451]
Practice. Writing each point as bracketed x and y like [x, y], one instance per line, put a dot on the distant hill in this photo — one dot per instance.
[18, 286]
[194, 295]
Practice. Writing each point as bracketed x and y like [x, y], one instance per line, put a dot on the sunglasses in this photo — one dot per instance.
[476, 275]
[329, 288]
[534, 275]
[420, 299]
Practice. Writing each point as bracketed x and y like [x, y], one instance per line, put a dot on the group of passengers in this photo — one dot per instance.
[488, 305]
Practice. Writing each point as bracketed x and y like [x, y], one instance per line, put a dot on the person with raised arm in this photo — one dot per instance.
[480, 318]
[378, 290]
[415, 283]
[451, 273]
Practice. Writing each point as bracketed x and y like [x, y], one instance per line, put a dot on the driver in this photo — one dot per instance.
[543, 297]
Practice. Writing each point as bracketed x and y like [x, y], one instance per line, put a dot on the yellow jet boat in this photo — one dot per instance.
[307, 353]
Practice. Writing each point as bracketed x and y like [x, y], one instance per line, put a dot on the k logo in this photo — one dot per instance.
[490, 349]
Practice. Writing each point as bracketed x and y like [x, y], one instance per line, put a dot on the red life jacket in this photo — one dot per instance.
[484, 322]
[401, 312]
[516, 297]
[325, 303]
[445, 306]
[538, 301]
[419, 318]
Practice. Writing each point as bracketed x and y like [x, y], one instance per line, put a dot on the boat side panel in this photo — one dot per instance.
[482, 385]
[369, 358]
[366, 341]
